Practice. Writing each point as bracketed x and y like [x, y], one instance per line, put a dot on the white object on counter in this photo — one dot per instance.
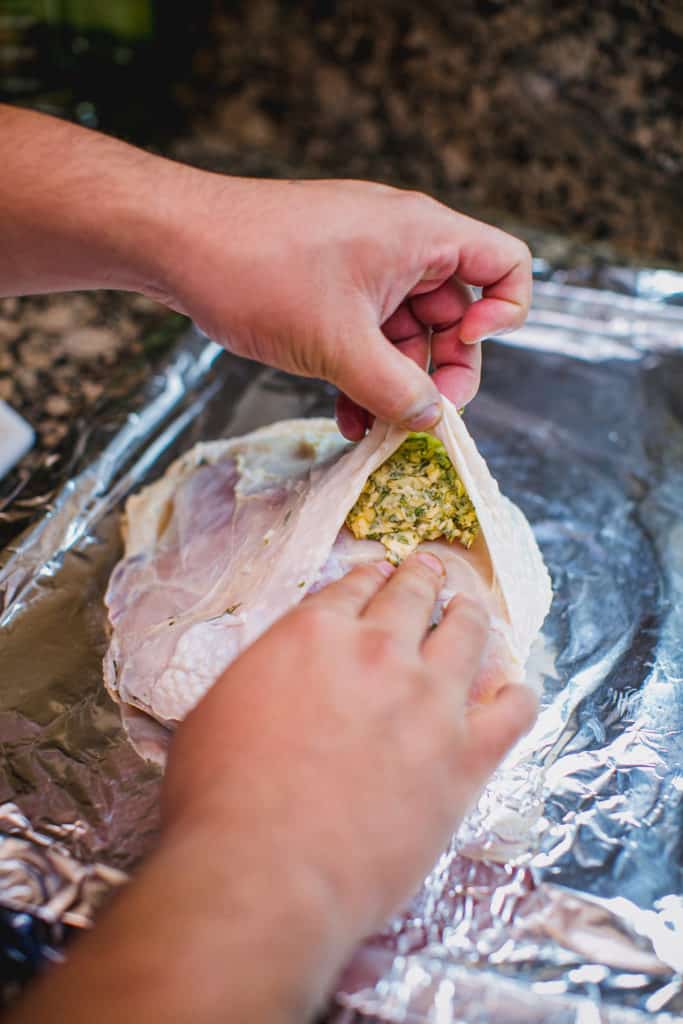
[16, 437]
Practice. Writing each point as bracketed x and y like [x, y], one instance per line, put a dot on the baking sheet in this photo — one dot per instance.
[561, 897]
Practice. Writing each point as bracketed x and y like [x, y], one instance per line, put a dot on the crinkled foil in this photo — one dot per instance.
[561, 898]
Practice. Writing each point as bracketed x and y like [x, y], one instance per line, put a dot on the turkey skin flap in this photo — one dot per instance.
[239, 531]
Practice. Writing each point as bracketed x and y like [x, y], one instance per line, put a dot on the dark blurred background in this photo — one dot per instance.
[559, 117]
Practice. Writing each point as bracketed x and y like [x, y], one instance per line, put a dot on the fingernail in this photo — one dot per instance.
[425, 417]
[432, 274]
[431, 561]
[471, 339]
[483, 337]
[386, 568]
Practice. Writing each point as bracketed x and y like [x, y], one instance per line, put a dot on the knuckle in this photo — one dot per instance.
[420, 579]
[380, 189]
[474, 613]
[377, 646]
[362, 581]
[418, 202]
[475, 625]
[472, 617]
[416, 589]
[366, 574]
[315, 620]
[355, 578]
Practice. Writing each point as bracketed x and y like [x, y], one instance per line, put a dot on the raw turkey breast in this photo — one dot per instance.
[238, 531]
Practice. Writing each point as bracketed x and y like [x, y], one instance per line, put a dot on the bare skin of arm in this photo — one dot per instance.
[331, 279]
[286, 790]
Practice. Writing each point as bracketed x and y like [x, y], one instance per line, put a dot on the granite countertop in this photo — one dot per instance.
[563, 118]
[69, 363]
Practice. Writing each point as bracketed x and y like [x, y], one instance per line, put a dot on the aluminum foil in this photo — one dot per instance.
[561, 898]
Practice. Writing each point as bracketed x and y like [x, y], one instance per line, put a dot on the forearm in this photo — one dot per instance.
[195, 937]
[78, 209]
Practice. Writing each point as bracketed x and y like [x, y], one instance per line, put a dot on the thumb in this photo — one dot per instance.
[379, 378]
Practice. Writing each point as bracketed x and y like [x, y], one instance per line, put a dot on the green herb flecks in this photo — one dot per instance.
[415, 495]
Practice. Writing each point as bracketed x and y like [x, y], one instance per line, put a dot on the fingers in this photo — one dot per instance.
[492, 315]
[417, 350]
[457, 372]
[403, 325]
[478, 254]
[455, 648]
[377, 376]
[495, 727]
[443, 306]
[457, 366]
[457, 251]
[352, 420]
[410, 337]
[457, 375]
[405, 605]
[502, 265]
[408, 328]
[351, 594]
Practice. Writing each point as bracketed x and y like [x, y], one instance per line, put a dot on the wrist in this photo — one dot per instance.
[175, 258]
[133, 228]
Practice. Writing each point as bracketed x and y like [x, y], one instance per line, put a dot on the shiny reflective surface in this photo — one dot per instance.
[561, 899]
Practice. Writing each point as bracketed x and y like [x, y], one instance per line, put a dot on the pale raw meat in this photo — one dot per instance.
[238, 531]
[520, 575]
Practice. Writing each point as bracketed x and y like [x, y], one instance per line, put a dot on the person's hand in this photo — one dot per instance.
[319, 277]
[305, 798]
[333, 760]
[331, 279]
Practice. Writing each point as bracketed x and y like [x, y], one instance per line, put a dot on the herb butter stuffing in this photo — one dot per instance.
[415, 495]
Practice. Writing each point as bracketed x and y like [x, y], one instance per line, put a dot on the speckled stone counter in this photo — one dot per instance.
[66, 362]
[563, 116]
